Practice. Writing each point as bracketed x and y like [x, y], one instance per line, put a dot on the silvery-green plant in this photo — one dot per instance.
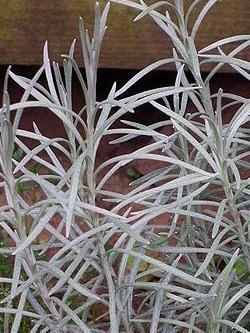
[196, 265]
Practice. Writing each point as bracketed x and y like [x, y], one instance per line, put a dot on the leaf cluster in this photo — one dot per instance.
[172, 254]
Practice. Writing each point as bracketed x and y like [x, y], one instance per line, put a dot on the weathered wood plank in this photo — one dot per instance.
[26, 24]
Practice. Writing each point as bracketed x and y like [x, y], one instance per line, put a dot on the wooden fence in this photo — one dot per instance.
[26, 24]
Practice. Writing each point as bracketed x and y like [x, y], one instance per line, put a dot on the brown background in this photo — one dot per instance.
[26, 24]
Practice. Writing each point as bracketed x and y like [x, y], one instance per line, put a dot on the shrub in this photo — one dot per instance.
[122, 269]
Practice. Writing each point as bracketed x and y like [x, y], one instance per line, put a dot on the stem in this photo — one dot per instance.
[21, 230]
[114, 326]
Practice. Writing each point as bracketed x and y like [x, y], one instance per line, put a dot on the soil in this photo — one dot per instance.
[51, 127]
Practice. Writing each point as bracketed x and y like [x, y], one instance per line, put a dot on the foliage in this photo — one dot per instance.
[120, 269]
